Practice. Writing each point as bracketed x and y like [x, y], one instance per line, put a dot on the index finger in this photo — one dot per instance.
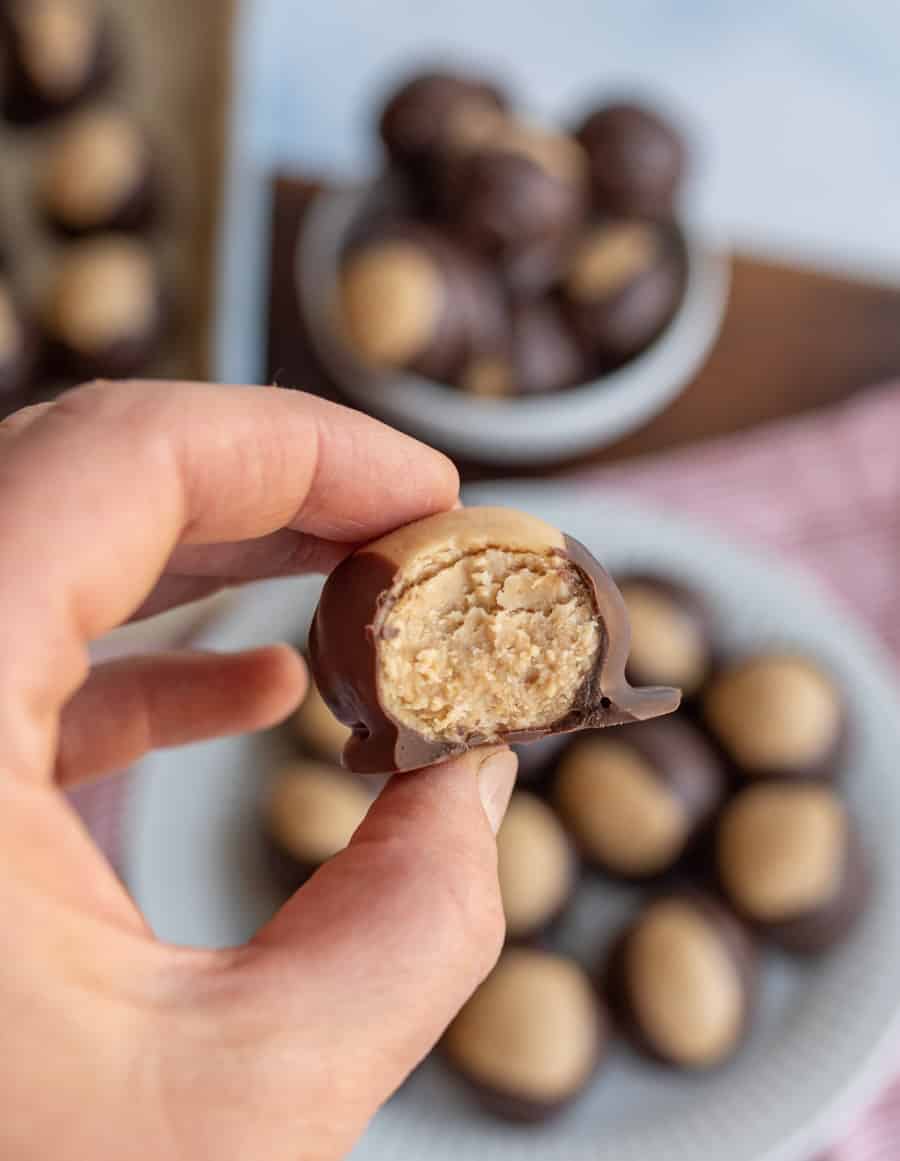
[96, 493]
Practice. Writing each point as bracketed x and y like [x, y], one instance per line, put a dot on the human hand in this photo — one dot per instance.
[121, 500]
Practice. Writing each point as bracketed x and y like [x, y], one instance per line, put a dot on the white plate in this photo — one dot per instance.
[825, 1029]
[535, 429]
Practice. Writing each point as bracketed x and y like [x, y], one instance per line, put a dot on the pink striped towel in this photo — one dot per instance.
[824, 490]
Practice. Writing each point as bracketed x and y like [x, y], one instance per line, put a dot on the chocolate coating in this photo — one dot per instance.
[57, 54]
[426, 114]
[622, 287]
[100, 176]
[681, 980]
[637, 161]
[777, 715]
[634, 799]
[318, 730]
[19, 347]
[531, 1037]
[104, 313]
[348, 637]
[518, 198]
[412, 300]
[791, 862]
[671, 632]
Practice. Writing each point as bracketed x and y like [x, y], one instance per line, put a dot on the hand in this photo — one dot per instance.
[124, 499]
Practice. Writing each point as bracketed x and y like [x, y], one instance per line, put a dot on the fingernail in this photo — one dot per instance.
[496, 779]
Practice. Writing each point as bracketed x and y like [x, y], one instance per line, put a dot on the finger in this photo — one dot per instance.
[392, 936]
[96, 493]
[16, 423]
[130, 707]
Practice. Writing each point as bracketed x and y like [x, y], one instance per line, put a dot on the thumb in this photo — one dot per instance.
[394, 934]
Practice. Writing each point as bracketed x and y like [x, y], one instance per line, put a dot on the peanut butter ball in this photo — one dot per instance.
[536, 865]
[671, 632]
[476, 626]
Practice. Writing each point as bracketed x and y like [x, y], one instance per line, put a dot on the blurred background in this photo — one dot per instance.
[201, 191]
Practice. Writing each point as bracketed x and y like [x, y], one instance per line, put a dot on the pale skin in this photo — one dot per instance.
[124, 499]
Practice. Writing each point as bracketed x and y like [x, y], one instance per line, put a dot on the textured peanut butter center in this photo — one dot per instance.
[392, 296]
[609, 258]
[775, 712]
[106, 292]
[666, 646]
[11, 338]
[58, 39]
[314, 809]
[534, 863]
[530, 1030]
[684, 985]
[493, 641]
[618, 807]
[98, 165]
[318, 728]
[782, 850]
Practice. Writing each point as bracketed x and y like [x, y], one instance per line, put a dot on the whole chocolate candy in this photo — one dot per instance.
[412, 300]
[633, 799]
[430, 112]
[681, 979]
[671, 632]
[100, 176]
[537, 867]
[18, 348]
[518, 196]
[622, 285]
[311, 812]
[790, 861]
[58, 52]
[532, 1036]
[104, 311]
[476, 626]
[543, 355]
[636, 158]
[777, 715]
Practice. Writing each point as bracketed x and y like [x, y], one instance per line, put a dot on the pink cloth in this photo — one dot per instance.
[823, 490]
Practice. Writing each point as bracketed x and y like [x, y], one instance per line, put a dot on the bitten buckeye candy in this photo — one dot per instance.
[531, 1037]
[103, 315]
[475, 626]
[99, 175]
[57, 53]
[633, 799]
[681, 979]
[318, 730]
[622, 286]
[790, 860]
[636, 159]
[311, 812]
[777, 715]
[671, 632]
[411, 300]
[536, 865]
[431, 111]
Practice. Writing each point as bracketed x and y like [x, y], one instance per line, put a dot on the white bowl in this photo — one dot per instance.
[825, 1030]
[530, 430]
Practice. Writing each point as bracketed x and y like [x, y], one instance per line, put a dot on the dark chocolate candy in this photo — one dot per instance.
[622, 286]
[537, 867]
[361, 632]
[412, 300]
[671, 632]
[57, 54]
[531, 1038]
[636, 798]
[636, 158]
[104, 315]
[19, 349]
[681, 980]
[430, 112]
[778, 715]
[100, 176]
[791, 863]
